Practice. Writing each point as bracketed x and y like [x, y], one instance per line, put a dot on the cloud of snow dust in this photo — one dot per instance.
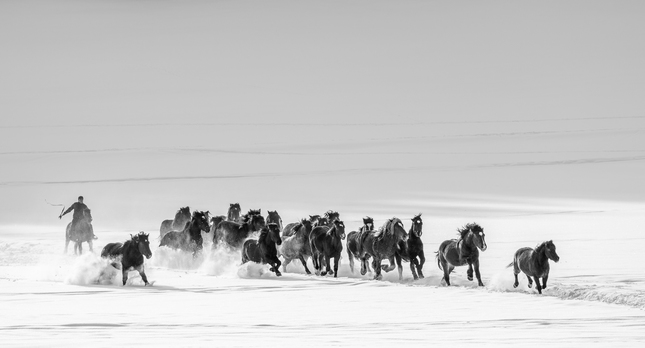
[92, 269]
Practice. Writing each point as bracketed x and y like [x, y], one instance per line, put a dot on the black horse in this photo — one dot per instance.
[234, 234]
[415, 247]
[131, 255]
[177, 224]
[234, 212]
[274, 217]
[462, 251]
[354, 239]
[326, 243]
[215, 221]
[83, 232]
[329, 217]
[190, 238]
[296, 246]
[534, 263]
[289, 231]
[388, 242]
[263, 250]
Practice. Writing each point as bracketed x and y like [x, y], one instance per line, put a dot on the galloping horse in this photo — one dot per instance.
[233, 212]
[326, 243]
[190, 238]
[296, 246]
[130, 255]
[181, 218]
[462, 251]
[534, 263]
[329, 217]
[82, 233]
[274, 217]
[415, 247]
[264, 249]
[354, 239]
[386, 243]
[234, 234]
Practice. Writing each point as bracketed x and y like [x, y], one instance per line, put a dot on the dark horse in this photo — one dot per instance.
[534, 263]
[329, 217]
[264, 249]
[326, 243]
[190, 238]
[386, 243]
[415, 247]
[181, 218]
[462, 251]
[83, 232]
[234, 211]
[234, 234]
[289, 231]
[296, 246]
[131, 255]
[354, 241]
[274, 217]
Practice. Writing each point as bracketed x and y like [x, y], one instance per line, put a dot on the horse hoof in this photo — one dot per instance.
[481, 284]
[470, 278]
[278, 273]
[378, 277]
[416, 278]
[323, 273]
[515, 285]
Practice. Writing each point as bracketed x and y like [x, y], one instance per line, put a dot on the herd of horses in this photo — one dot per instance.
[319, 238]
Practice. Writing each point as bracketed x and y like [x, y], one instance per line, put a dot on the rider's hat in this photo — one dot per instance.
[80, 197]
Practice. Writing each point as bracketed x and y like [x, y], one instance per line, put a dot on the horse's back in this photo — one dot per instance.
[166, 226]
[112, 250]
[288, 231]
[171, 239]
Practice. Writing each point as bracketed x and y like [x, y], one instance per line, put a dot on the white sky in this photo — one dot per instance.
[542, 99]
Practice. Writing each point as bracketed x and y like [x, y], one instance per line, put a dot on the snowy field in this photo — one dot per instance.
[526, 118]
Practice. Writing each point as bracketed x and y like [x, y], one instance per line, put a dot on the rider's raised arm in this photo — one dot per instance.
[71, 207]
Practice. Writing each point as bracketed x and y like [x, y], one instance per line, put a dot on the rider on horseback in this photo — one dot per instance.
[78, 208]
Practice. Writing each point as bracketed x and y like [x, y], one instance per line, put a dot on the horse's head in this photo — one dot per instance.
[257, 222]
[201, 219]
[397, 229]
[234, 212]
[339, 228]
[183, 213]
[274, 217]
[331, 216]
[274, 232]
[143, 244]
[215, 221]
[305, 227]
[315, 220]
[87, 215]
[368, 223]
[475, 232]
[550, 251]
[417, 226]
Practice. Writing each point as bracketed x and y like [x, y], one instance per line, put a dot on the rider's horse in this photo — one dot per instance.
[462, 251]
[82, 232]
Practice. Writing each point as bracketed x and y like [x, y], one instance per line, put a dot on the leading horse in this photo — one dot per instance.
[534, 263]
[83, 232]
[415, 247]
[354, 239]
[264, 250]
[296, 246]
[462, 251]
[130, 255]
[326, 243]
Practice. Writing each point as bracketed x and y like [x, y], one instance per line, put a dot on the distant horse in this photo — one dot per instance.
[131, 255]
[329, 217]
[534, 263]
[83, 232]
[234, 234]
[263, 250]
[274, 217]
[234, 211]
[190, 238]
[181, 218]
[252, 212]
[354, 241]
[415, 247]
[462, 251]
[388, 242]
[288, 230]
[326, 243]
[215, 221]
[297, 245]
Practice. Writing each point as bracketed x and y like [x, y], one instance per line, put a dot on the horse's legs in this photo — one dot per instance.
[351, 260]
[399, 266]
[142, 272]
[477, 274]
[544, 279]
[391, 266]
[336, 261]
[530, 281]
[376, 264]
[469, 273]
[413, 262]
[286, 262]
[515, 273]
[364, 266]
[327, 265]
[90, 244]
[304, 263]
[275, 264]
[422, 260]
[124, 271]
[537, 284]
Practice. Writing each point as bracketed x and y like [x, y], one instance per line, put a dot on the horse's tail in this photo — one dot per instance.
[438, 261]
[510, 264]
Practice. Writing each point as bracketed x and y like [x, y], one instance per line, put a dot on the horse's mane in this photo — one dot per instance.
[387, 226]
[417, 217]
[330, 213]
[135, 238]
[465, 229]
[542, 245]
